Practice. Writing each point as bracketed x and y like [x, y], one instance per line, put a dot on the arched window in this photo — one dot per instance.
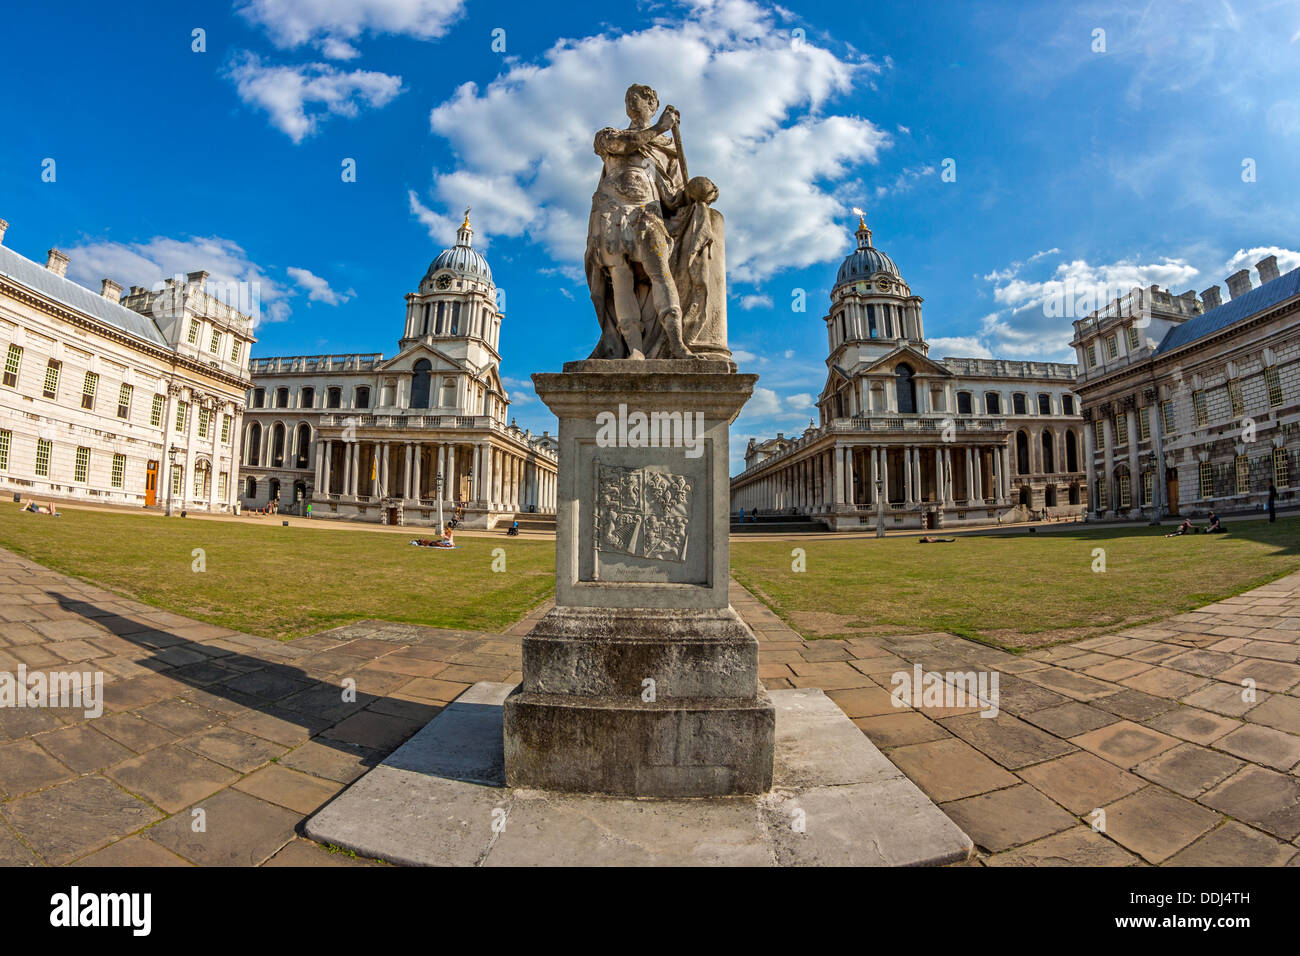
[1049, 452]
[335, 397]
[871, 321]
[963, 403]
[302, 445]
[906, 389]
[1018, 406]
[363, 396]
[1022, 453]
[437, 329]
[277, 445]
[254, 454]
[250, 488]
[307, 398]
[1044, 404]
[455, 318]
[259, 397]
[421, 375]
[1071, 455]
[281, 398]
[274, 493]
[992, 403]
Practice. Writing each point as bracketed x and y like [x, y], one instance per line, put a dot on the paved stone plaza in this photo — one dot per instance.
[1147, 724]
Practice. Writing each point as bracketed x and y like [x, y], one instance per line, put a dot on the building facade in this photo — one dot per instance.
[394, 440]
[907, 441]
[1193, 405]
[131, 399]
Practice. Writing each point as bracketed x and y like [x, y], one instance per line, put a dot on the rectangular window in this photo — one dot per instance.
[992, 404]
[225, 430]
[1092, 355]
[182, 412]
[214, 344]
[1243, 474]
[1101, 494]
[234, 349]
[119, 470]
[1281, 467]
[89, 386]
[1125, 493]
[156, 412]
[1234, 396]
[6, 439]
[1148, 481]
[204, 417]
[177, 487]
[1144, 424]
[1121, 428]
[1271, 379]
[1167, 417]
[1044, 404]
[1202, 412]
[1099, 434]
[43, 450]
[51, 389]
[193, 337]
[124, 401]
[1133, 339]
[13, 362]
[82, 466]
[1112, 346]
[1067, 404]
[223, 483]
[1207, 481]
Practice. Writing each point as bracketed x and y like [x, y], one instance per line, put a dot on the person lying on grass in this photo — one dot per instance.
[36, 509]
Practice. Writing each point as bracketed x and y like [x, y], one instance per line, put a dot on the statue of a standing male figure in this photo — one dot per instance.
[655, 262]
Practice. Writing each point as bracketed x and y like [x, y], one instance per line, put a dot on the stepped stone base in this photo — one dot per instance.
[440, 800]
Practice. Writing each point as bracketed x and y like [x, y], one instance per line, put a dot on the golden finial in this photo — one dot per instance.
[465, 224]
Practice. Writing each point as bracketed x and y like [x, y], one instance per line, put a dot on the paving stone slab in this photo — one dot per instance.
[440, 799]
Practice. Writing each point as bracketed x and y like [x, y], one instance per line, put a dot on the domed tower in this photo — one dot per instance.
[872, 310]
[455, 308]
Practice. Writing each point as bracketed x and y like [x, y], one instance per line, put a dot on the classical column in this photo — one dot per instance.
[1108, 436]
[1158, 488]
[909, 488]
[1006, 474]
[1090, 465]
[1135, 476]
[488, 472]
[977, 457]
[837, 482]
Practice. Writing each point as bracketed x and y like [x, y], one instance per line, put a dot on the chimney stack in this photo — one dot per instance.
[1211, 298]
[4, 224]
[1238, 283]
[111, 290]
[1267, 266]
[57, 262]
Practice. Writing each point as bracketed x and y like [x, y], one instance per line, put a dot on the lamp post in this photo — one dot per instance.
[880, 509]
[171, 476]
[438, 488]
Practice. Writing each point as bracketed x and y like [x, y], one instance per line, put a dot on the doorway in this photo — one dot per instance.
[151, 484]
[1171, 491]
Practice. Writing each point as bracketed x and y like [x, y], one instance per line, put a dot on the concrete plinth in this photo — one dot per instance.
[643, 681]
[441, 800]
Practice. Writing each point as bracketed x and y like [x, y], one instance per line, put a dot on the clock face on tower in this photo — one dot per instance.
[444, 282]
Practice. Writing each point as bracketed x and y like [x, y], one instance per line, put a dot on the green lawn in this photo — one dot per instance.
[1015, 589]
[280, 582]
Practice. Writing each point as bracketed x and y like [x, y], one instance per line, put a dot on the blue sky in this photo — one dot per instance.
[1081, 158]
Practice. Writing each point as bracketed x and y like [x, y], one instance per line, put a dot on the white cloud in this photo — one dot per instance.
[232, 275]
[764, 403]
[335, 25]
[298, 98]
[748, 302]
[318, 289]
[801, 401]
[753, 121]
[742, 357]
[519, 390]
[959, 346]
[1287, 259]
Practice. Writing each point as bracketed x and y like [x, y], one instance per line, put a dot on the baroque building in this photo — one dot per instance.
[131, 399]
[389, 439]
[1193, 405]
[913, 441]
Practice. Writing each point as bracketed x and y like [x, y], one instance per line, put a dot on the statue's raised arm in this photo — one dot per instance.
[654, 258]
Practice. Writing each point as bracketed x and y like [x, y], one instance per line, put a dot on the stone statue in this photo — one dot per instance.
[655, 259]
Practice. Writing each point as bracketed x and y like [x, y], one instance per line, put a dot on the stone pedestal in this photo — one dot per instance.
[642, 681]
